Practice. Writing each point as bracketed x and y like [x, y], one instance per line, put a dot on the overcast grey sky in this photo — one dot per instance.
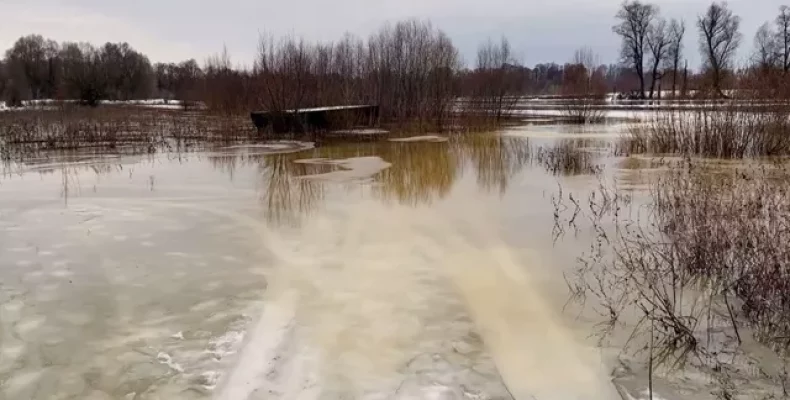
[173, 30]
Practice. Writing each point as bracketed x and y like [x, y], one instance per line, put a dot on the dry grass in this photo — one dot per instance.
[723, 131]
[110, 128]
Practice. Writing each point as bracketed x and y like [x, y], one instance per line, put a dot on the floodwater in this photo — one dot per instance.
[417, 269]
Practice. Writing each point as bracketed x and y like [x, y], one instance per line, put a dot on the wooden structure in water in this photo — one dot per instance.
[318, 119]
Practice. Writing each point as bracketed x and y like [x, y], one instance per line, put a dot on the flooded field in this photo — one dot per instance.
[418, 268]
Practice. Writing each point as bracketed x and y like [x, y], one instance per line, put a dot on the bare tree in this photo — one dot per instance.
[677, 30]
[658, 42]
[783, 36]
[719, 39]
[633, 27]
[766, 51]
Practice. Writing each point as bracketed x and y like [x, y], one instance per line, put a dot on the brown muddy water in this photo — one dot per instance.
[423, 268]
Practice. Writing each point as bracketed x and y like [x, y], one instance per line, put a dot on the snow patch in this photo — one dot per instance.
[331, 108]
[426, 138]
[351, 169]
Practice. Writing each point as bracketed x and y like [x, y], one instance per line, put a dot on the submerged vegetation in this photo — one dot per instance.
[568, 157]
[731, 130]
[696, 274]
[111, 128]
[703, 268]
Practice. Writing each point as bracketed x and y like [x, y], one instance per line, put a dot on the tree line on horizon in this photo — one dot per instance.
[410, 68]
[37, 68]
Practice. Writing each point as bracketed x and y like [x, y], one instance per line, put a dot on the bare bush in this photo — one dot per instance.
[689, 273]
[495, 84]
[583, 88]
[408, 69]
[567, 157]
[410, 65]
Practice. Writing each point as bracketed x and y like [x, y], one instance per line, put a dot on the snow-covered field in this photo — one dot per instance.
[49, 104]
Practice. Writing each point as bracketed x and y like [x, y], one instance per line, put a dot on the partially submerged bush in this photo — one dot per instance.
[584, 110]
[584, 88]
[732, 231]
[730, 130]
[567, 157]
[707, 261]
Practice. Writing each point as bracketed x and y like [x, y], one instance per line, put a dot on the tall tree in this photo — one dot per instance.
[719, 39]
[766, 51]
[635, 19]
[658, 41]
[677, 30]
[783, 39]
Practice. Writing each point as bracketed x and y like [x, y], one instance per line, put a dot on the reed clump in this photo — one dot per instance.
[732, 130]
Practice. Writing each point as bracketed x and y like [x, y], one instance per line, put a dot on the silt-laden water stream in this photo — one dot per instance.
[394, 270]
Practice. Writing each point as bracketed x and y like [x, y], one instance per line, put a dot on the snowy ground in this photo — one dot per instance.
[49, 104]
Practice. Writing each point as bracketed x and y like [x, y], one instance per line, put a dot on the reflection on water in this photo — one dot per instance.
[570, 157]
[286, 194]
[373, 270]
[495, 159]
[421, 172]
